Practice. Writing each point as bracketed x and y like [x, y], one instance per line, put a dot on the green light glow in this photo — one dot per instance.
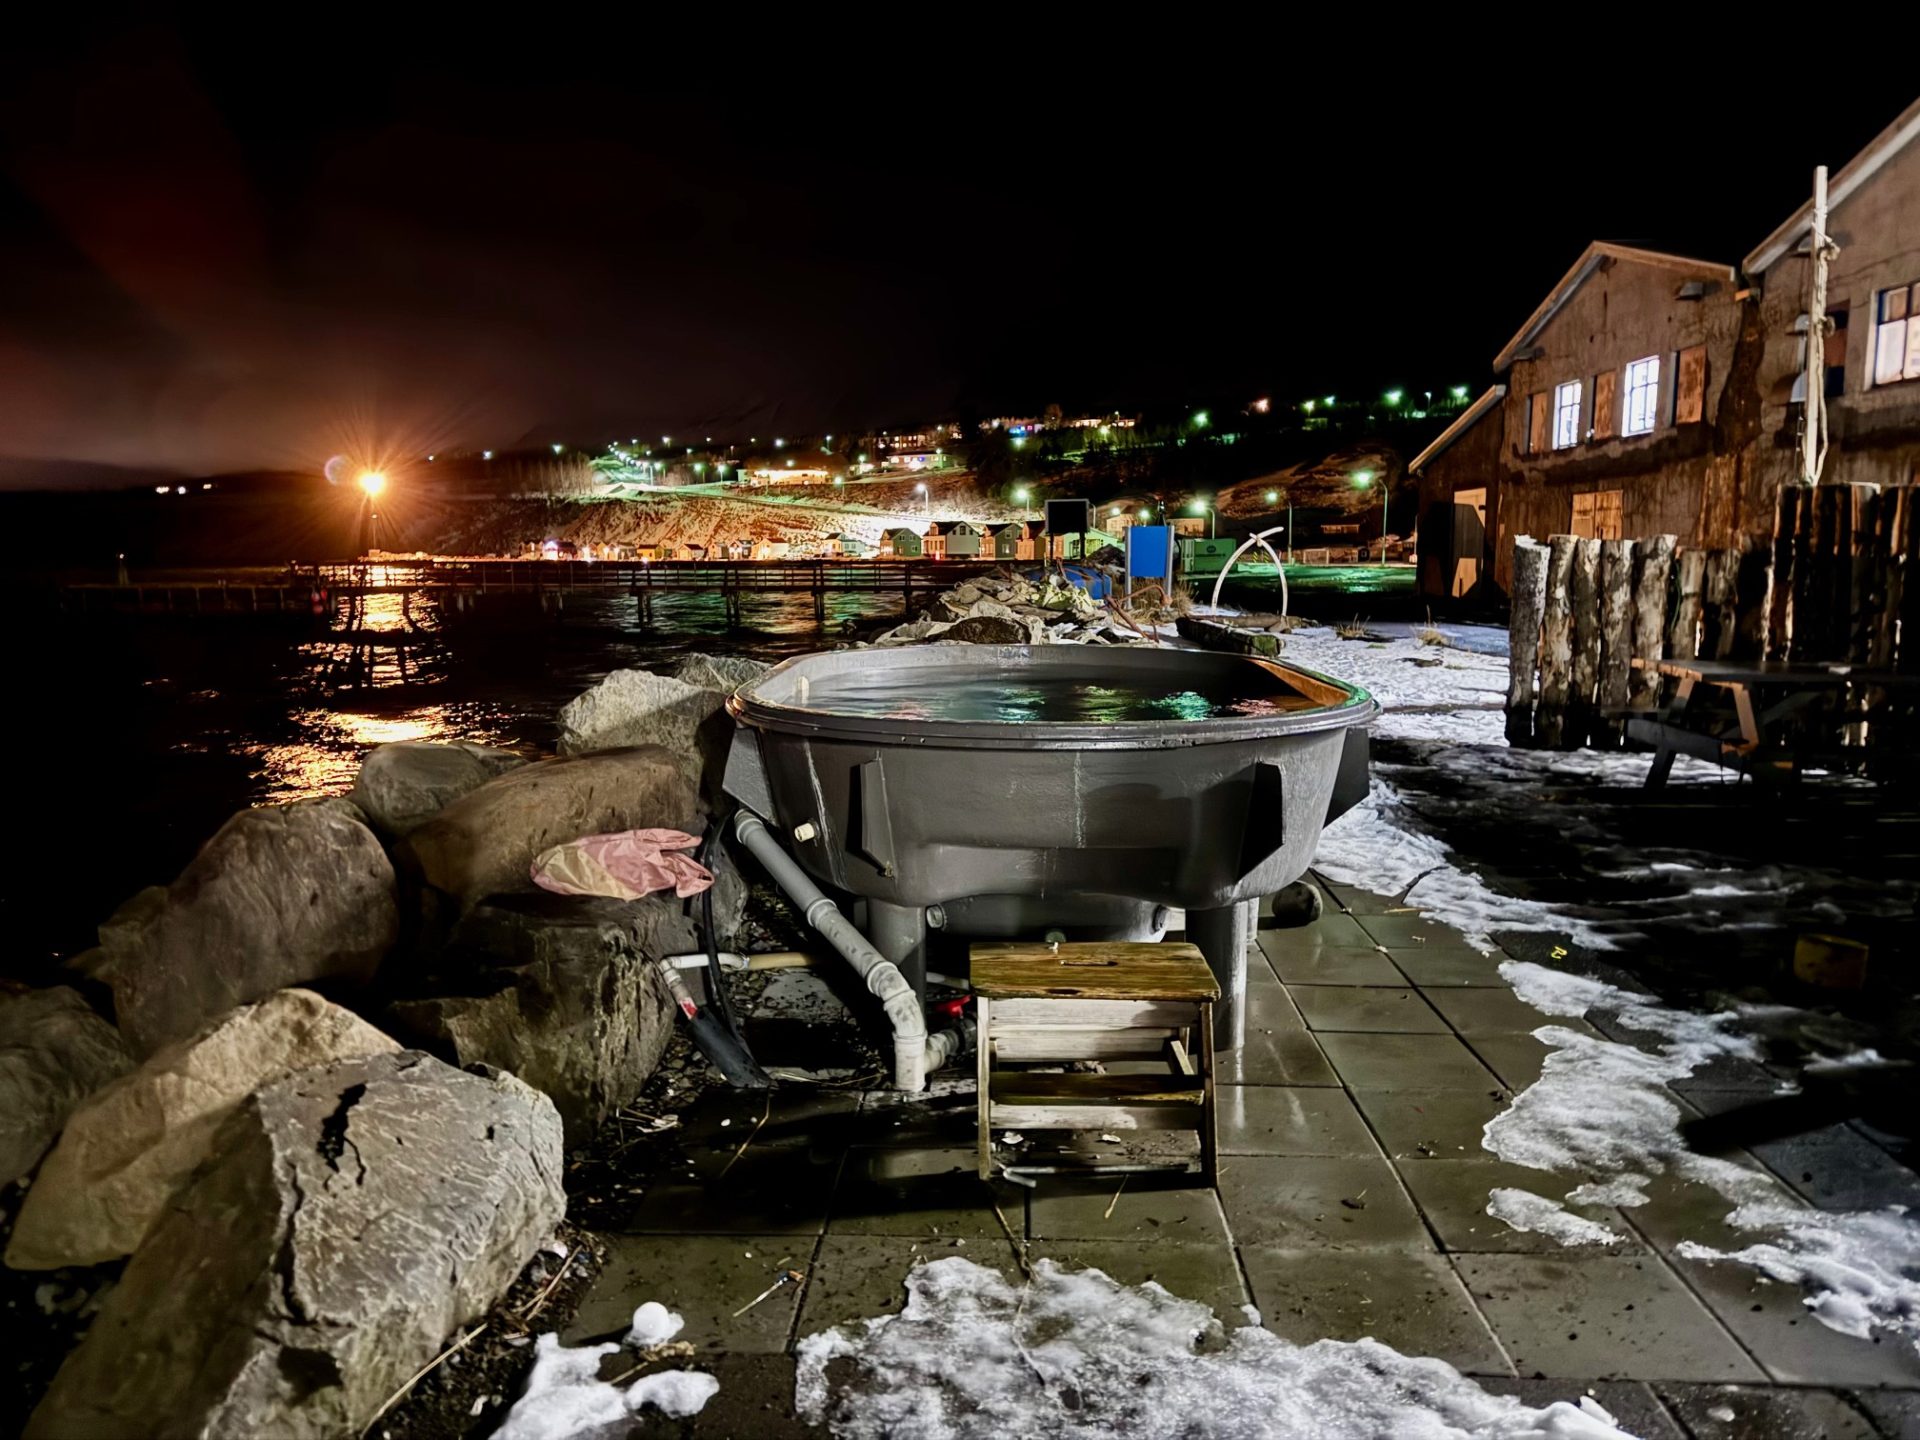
[1362, 478]
[1273, 496]
[1329, 400]
[1459, 392]
[1146, 514]
[1393, 397]
[1201, 419]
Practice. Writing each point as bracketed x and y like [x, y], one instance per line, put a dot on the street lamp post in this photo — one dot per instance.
[372, 483]
[1020, 497]
[1213, 517]
[926, 500]
[1362, 479]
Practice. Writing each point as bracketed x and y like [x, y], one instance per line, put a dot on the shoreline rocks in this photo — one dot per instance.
[405, 784]
[54, 1053]
[562, 991]
[127, 1151]
[350, 1218]
[282, 895]
[484, 843]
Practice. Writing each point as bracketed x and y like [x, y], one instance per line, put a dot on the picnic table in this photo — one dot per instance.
[1776, 703]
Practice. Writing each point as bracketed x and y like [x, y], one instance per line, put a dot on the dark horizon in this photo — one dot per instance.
[214, 262]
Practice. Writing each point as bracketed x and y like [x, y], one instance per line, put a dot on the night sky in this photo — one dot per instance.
[233, 250]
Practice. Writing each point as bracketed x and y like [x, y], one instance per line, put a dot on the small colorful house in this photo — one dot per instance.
[1003, 541]
[902, 544]
[953, 540]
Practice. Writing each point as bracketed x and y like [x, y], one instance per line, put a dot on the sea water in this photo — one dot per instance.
[1010, 698]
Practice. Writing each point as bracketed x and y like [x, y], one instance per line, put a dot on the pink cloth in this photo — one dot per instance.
[623, 866]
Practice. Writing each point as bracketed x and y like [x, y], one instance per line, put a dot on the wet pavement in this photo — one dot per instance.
[1351, 1203]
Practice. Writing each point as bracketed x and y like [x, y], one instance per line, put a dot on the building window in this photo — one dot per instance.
[1566, 415]
[1643, 395]
[1896, 336]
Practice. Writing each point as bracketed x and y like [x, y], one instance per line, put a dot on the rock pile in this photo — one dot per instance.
[1010, 610]
[405, 784]
[283, 895]
[349, 1219]
[128, 1150]
[54, 1052]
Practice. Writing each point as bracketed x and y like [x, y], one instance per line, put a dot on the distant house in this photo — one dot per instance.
[647, 550]
[690, 552]
[772, 550]
[1459, 480]
[953, 540]
[1003, 541]
[902, 544]
[850, 547]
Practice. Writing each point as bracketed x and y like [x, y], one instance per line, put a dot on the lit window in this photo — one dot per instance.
[1643, 395]
[1896, 336]
[1566, 415]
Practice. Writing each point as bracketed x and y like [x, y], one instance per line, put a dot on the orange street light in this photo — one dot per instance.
[373, 482]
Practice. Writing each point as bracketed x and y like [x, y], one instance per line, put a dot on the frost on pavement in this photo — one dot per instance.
[1079, 1355]
[1524, 1210]
[1603, 1110]
[566, 1399]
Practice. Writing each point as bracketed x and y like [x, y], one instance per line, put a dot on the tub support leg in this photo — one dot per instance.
[899, 932]
[1223, 936]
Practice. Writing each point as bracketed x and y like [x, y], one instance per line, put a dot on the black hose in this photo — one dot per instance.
[714, 981]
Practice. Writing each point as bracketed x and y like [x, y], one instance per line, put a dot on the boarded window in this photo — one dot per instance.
[1597, 515]
[1690, 392]
[1536, 422]
[1603, 388]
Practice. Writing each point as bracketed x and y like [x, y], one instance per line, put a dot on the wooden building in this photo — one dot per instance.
[902, 544]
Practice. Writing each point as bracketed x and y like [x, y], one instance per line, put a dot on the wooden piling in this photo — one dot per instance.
[1838, 597]
[1752, 601]
[1717, 620]
[1586, 639]
[1683, 620]
[1794, 516]
[1653, 568]
[1523, 633]
[1556, 642]
[1616, 631]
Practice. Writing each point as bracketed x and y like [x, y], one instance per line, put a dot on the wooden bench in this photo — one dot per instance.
[1042, 1004]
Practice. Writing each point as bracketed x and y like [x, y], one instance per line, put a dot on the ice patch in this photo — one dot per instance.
[1524, 1210]
[1079, 1355]
[566, 1399]
[653, 1324]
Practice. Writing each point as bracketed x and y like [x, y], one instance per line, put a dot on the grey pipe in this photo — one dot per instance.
[914, 1051]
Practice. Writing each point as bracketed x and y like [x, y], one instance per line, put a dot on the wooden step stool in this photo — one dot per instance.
[1040, 1004]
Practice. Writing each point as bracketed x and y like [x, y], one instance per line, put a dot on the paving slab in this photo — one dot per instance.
[942, 1118]
[1453, 965]
[1205, 1273]
[1410, 1301]
[755, 1398]
[858, 1277]
[1432, 1124]
[1835, 1167]
[1358, 902]
[1895, 1412]
[1290, 1120]
[1747, 1412]
[1301, 965]
[1271, 1007]
[770, 1189]
[1631, 1402]
[703, 1277]
[720, 1119]
[1302, 1203]
[1453, 1195]
[1137, 1208]
[1601, 1316]
[1334, 930]
[925, 1194]
[1516, 1059]
[1409, 930]
[1405, 1062]
[1275, 1056]
[1366, 1009]
[1487, 1011]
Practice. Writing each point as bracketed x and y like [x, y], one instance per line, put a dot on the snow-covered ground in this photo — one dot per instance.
[1076, 1354]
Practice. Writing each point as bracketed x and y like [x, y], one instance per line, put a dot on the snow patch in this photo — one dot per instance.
[1524, 1210]
[1603, 1109]
[1080, 1355]
[653, 1324]
[566, 1399]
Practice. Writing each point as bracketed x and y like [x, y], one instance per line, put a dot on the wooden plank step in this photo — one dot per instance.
[1121, 970]
[1014, 1088]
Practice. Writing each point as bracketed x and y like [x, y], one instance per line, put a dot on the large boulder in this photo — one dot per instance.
[562, 991]
[633, 707]
[280, 896]
[725, 673]
[410, 781]
[127, 1151]
[54, 1052]
[484, 842]
[349, 1220]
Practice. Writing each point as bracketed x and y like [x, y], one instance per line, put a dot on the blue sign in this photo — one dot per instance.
[1150, 553]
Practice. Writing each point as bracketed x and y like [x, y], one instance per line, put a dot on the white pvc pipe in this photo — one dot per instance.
[914, 1051]
[1251, 541]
